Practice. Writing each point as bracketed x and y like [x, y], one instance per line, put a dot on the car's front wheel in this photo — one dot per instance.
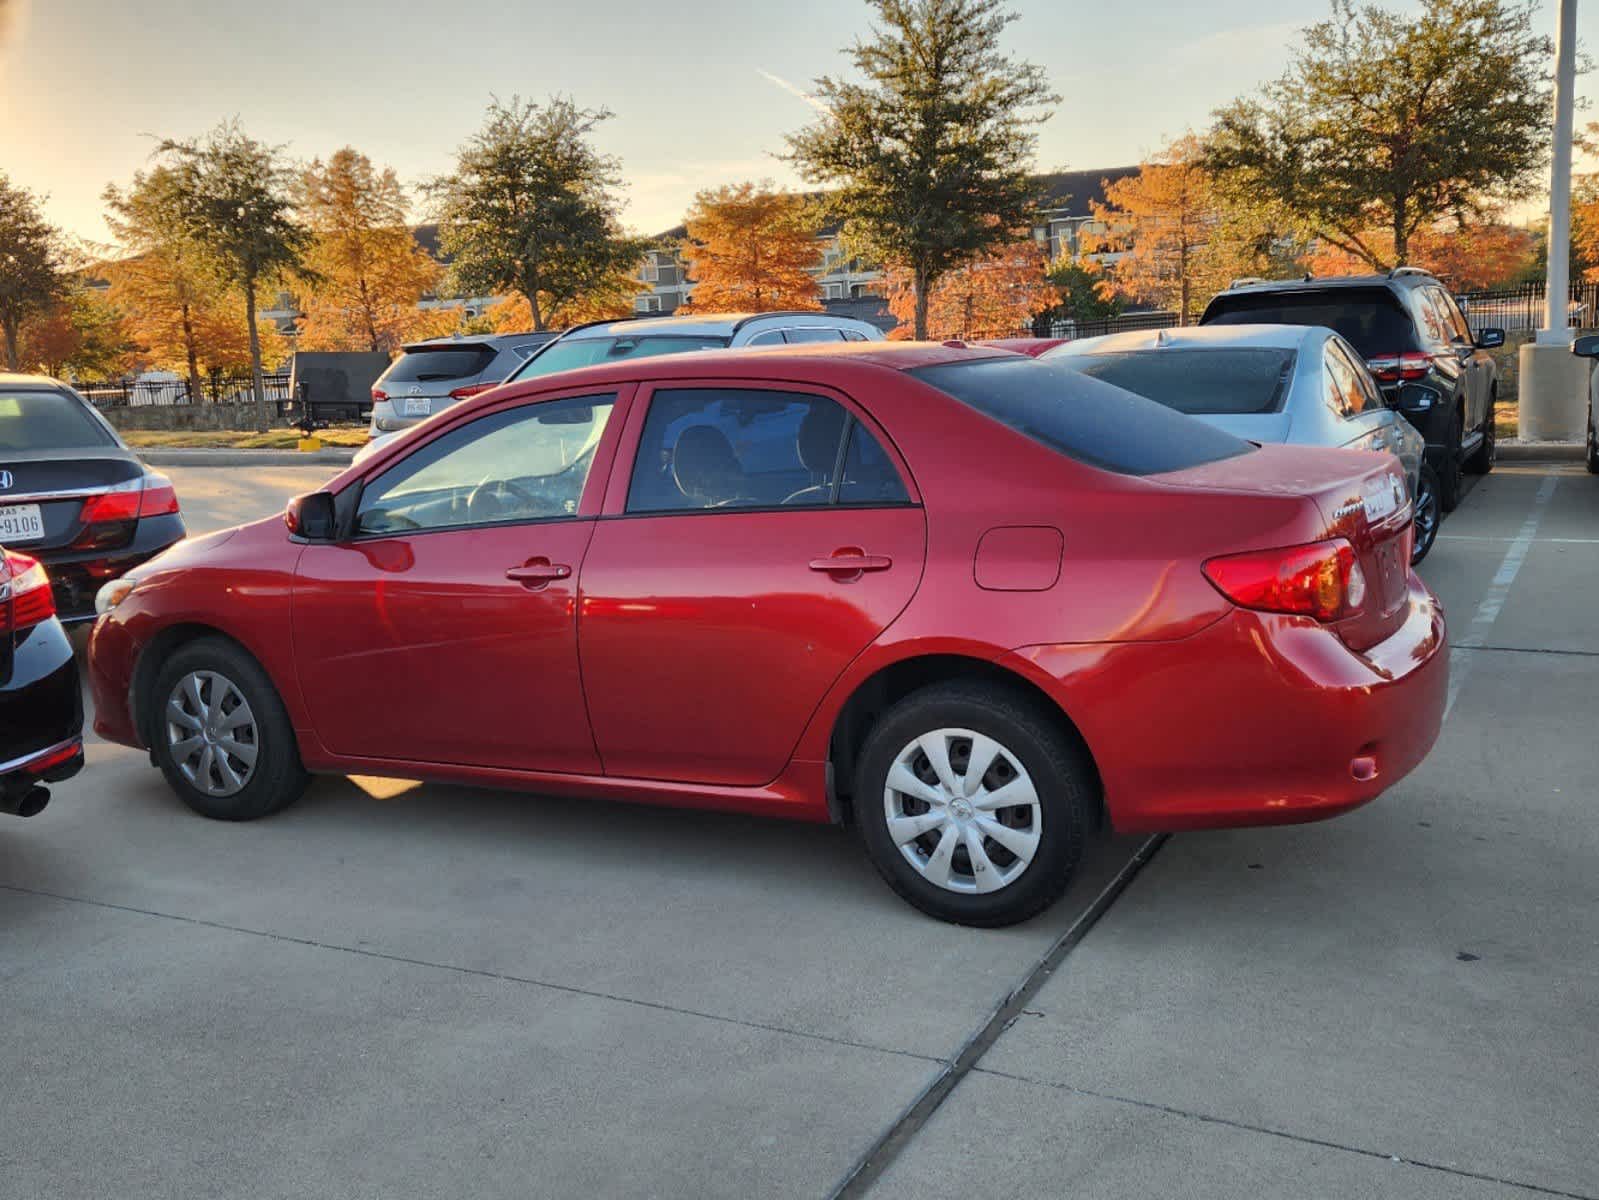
[221, 735]
[1593, 443]
[974, 804]
[1429, 514]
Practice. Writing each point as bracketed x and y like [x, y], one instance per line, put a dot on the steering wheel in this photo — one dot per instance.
[493, 492]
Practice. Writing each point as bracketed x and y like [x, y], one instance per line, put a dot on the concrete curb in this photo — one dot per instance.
[335, 457]
[1514, 451]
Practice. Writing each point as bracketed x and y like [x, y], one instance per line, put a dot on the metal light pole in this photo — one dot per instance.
[1556, 302]
[1554, 382]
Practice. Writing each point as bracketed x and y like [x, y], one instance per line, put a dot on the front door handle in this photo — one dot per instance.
[538, 572]
[852, 562]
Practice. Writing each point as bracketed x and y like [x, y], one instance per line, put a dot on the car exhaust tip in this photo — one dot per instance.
[26, 804]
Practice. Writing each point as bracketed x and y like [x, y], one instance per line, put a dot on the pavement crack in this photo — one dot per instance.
[1301, 1138]
[1525, 650]
[476, 972]
[891, 1143]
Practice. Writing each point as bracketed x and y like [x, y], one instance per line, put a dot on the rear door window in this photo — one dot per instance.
[1369, 319]
[814, 335]
[1197, 382]
[732, 448]
[1083, 418]
[48, 420]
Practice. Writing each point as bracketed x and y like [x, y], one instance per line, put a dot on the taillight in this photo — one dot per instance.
[1322, 580]
[378, 394]
[150, 495]
[1392, 368]
[472, 389]
[31, 600]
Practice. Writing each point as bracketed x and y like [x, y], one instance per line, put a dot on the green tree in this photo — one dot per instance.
[1392, 123]
[33, 275]
[82, 335]
[234, 202]
[1085, 294]
[532, 208]
[927, 159]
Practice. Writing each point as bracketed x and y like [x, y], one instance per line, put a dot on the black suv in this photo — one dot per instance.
[1416, 343]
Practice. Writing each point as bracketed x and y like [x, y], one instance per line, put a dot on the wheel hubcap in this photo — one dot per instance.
[963, 811]
[211, 733]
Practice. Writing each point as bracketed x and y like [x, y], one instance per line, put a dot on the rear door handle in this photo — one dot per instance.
[538, 572]
[852, 564]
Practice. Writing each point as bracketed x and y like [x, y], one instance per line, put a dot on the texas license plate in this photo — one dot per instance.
[20, 523]
[418, 406]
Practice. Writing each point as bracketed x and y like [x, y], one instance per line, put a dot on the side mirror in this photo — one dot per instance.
[1489, 339]
[1586, 347]
[311, 516]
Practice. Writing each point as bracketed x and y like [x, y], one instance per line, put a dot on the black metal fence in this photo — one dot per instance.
[1521, 309]
[220, 387]
[1071, 328]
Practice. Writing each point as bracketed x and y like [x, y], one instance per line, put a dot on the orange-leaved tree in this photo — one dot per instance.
[1469, 257]
[608, 299]
[365, 270]
[1161, 222]
[995, 296]
[751, 248]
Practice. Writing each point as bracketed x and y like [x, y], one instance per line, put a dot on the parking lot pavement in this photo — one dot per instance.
[1404, 1001]
[422, 990]
[453, 992]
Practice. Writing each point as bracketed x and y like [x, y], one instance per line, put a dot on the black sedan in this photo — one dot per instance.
[41, 703]
[73, 495]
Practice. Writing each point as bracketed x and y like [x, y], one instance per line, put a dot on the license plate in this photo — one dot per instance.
[20, 523]
[1381, 497]
[417, 406]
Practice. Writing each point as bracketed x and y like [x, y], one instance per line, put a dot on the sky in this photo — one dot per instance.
[702, 92]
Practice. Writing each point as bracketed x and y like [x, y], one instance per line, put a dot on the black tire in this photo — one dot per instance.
[276, 779]
[1482, 461]
[1063, 780]
[1592, 457]
[1429, 514]
[1449, 482]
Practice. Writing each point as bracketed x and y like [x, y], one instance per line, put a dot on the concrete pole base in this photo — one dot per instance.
[1554, 393]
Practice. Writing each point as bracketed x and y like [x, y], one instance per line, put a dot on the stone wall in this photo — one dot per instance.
[186, 417]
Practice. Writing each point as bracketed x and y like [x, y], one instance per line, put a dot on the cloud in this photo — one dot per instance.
[779, 81]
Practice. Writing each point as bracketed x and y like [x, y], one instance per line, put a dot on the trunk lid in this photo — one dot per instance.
[58, 482]
[1358, 496]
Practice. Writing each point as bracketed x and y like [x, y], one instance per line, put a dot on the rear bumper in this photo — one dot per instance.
[1256, 720]
[41, 712]
[76, 575]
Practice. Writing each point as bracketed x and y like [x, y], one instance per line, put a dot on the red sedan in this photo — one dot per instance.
[967, 600]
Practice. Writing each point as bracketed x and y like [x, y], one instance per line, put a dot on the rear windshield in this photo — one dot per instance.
[1197, 382]
[1370, 319]
[585, 352]
[48, 421]
[428, 364]
[1081, 417]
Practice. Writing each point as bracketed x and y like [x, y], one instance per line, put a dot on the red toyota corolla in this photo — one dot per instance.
[967, 600]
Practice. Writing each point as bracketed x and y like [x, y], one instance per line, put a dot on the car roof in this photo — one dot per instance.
[795, 363]
[1401, 277]
[707, 325]
[493, 341]
[1196, 337]
[12, 379]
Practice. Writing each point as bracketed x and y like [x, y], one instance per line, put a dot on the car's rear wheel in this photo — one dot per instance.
[1429, 514]
[1449, 470]
[1482, 461]
[221, 735]
[973, 803]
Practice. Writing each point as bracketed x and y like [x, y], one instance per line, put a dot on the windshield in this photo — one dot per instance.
[1197, 382]
[1085, 419]
[586, 352]
[47, 420]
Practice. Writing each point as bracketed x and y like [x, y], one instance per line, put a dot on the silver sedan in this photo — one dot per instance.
[1266, 383]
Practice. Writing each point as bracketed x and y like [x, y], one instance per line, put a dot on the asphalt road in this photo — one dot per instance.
[407, 991]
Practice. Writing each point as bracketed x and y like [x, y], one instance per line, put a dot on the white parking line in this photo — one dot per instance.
[1488, 611]
[1489, 537]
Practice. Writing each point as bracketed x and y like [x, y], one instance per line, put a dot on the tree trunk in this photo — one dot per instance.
[1401, 238]
[257, 386]
[11, 345]
[192, 352]
[919, 282]
[533, 306]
